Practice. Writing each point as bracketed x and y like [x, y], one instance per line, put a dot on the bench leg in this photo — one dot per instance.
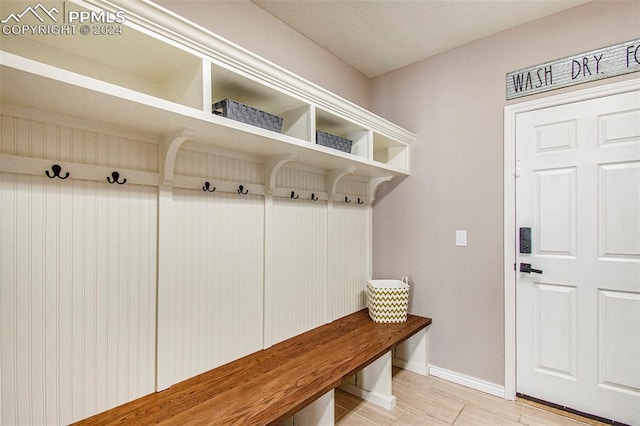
[319, 413]
[373, 383]
[412, 354]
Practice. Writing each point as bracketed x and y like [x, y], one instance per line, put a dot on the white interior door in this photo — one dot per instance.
[578, 322]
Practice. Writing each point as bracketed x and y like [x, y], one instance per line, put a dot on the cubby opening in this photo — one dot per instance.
[130, 59]
[361, 137]
[156, 83]
[390, 152]
[227, 84]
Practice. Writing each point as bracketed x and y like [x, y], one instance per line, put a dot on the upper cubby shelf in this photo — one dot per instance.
[390, 152]
[131, 60]
[226, 83]
[162, 74]
[357, 134]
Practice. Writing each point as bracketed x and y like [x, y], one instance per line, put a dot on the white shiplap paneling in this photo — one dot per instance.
[301, 178]
[299, 252]
[228, 296]
[218, 167]
[349, 257]
[77, 295]
[218, 306]
[353, 185]
[60, 142]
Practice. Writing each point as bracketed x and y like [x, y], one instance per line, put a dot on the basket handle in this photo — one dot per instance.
[405, 280]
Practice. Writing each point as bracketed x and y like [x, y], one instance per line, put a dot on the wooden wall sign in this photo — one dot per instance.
[611, 61]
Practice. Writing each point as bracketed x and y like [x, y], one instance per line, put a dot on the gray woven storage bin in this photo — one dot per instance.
[333, 141]
[240, 112]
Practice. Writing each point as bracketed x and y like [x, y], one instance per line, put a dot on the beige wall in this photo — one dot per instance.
[249, 26]
[455, 102]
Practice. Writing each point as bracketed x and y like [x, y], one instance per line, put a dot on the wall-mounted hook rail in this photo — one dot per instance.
[56, 169]
[208, 188]
[115, 178]
[346, 199]
[294, 196]
[360, 201]
[242, 190]
[314, 197]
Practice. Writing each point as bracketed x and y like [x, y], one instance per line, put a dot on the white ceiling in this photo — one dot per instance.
[378, 36]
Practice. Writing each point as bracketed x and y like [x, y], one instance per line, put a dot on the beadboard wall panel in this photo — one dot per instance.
[241, 168]
[349, 257]
[77, 295]
[218, 306]
[60, 140]
[299, 270]
[80, 275]
[301, 178]
[353, 185]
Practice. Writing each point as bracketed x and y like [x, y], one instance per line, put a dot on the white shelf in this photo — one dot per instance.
[132, 60]
[167, 86]
[226, 83]
[390, 152]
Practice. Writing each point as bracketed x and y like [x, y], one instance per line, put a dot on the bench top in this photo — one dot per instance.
[270, 385]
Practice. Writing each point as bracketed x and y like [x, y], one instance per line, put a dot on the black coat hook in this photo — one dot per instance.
[56, 169]
[208, 188]
[294, 196]
[346, 200]
[314, 197]
[360, 201]
[242, 191]
[115, 178]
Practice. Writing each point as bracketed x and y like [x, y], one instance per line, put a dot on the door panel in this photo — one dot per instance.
[555, 221]
[619, 210]
[619, 349]
[578, 323]
[619, 127]
[556, 137]
[555, 329]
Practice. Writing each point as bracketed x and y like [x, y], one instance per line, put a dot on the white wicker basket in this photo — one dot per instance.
[388, 300]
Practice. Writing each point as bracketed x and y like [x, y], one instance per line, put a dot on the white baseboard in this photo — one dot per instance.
[384, 401]
[414, 367]
[468, 381]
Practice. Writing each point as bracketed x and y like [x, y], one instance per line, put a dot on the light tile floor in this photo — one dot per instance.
[429, 401]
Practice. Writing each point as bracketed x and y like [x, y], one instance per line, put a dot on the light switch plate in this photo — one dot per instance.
[461, 238]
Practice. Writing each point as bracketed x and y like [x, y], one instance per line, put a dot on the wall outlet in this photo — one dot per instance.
[461, 238]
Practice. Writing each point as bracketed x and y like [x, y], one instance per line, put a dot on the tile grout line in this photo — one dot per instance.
[521, 413]
[512, 412]
[458, 416]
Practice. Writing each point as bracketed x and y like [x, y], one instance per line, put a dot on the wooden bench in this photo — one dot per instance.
[271, 385]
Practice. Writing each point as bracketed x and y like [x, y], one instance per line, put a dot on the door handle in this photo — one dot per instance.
[526, 267]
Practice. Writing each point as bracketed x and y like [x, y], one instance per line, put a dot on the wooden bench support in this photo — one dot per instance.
[320, 412]
[412, 354]
[373, 383]
[295, 377]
